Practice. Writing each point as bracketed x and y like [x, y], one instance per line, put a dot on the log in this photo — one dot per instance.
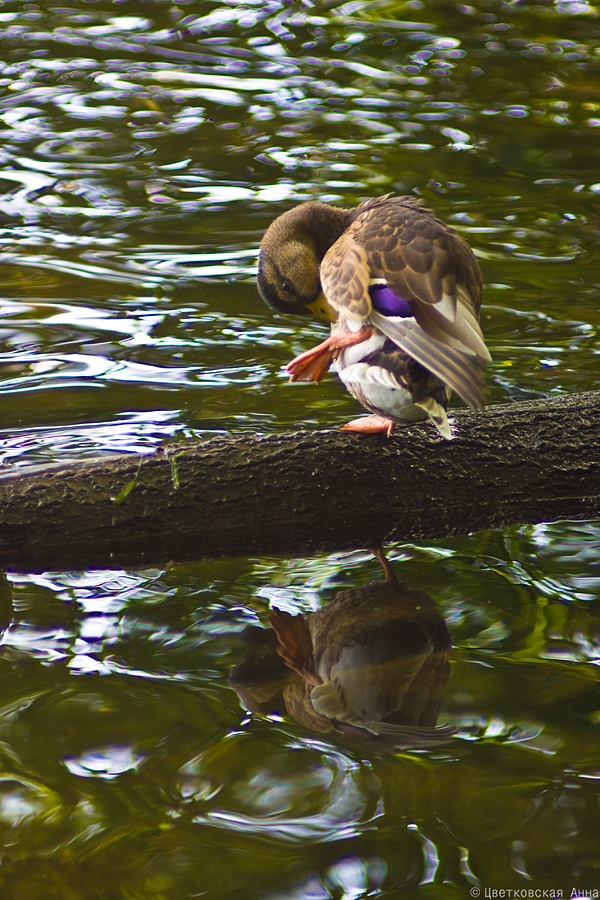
[296, 494]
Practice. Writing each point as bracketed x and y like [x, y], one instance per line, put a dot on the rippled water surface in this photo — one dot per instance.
[148, 748]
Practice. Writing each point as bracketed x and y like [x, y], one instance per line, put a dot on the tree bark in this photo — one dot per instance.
[294, 494]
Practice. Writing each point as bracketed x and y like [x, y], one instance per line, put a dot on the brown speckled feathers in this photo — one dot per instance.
[427, 263]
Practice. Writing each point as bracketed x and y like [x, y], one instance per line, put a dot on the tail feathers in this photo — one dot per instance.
[438, 416]
[463, 373]
[400, 737]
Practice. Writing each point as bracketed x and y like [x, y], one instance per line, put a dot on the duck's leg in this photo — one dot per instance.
[312, 365]
[390, 575]
[370, 425]
[316, 362]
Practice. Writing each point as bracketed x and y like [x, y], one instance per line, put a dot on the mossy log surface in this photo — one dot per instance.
[295, 494]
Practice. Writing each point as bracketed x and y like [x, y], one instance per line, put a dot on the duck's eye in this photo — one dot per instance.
[286, 287]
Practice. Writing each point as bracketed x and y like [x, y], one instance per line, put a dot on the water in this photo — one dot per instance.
[145, 147]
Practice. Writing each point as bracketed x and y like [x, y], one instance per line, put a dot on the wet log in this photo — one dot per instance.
[295, 494]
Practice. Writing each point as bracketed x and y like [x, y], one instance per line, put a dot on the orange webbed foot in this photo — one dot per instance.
[316, 362]
[312, 365]
[370, 425]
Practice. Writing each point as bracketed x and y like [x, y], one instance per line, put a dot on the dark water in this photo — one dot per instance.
[145, 147]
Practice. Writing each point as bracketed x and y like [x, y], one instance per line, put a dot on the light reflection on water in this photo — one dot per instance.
[330, 796]
[104, 762]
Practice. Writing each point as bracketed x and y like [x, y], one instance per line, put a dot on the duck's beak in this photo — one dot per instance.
[322, 309]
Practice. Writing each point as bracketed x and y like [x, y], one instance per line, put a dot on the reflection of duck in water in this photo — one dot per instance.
[373, 663]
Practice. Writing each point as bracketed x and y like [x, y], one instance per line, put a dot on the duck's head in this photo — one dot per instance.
[290, 255]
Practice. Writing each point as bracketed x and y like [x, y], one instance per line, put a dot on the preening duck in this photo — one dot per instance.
[402, 290]
[373, 661]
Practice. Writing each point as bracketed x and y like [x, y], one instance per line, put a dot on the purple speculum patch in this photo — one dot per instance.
[386, 302]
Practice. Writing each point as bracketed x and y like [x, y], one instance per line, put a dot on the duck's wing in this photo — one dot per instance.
[460, 371]
[425, 263]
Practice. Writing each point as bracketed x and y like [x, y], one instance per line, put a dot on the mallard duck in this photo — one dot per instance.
[374, 660]
[402, 291]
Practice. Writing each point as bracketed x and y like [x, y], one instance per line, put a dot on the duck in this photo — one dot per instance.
[402, 293]
[373, 661]
[371, 666]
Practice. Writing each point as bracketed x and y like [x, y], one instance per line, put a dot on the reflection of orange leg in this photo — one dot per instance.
[316, 362]
[390, 575]
[370, 425]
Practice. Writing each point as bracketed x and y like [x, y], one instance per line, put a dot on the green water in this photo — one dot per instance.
[144, 148]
